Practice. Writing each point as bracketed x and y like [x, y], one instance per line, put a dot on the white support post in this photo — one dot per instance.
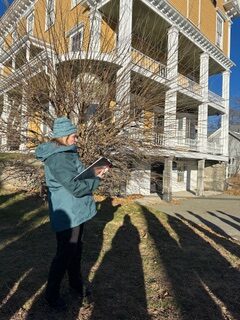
[24, 123]
[28, 51]
[200, 178]
[167, 179]
[52, 73]
[172, 55]
[203, 108]
[225, 116]
[4, 122]
[13, 63]
[123, 81]
[170, 122]
[95, 30]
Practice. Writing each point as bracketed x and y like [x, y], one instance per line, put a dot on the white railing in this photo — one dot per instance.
[188, 143]
[215, 98]
[149, 64]
[159, 138]
[214, 148]
[39, 62]
[190, 85]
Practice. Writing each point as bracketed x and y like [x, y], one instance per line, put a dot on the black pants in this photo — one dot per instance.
[67, 259]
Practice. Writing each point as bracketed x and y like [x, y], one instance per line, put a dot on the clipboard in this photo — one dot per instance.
[89, 172]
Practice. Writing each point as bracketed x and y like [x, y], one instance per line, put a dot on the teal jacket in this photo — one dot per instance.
[70, 202]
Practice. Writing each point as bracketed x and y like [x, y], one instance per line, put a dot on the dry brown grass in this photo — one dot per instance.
[141, 264]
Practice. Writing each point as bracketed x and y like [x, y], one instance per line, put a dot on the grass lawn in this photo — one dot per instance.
[140, 263]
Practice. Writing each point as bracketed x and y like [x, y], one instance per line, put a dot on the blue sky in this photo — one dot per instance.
[215, 83]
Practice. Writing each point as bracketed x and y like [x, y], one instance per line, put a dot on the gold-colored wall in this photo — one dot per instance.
[180, 5]
[202, 14]
[193, 12]
[107, 38]
[65, 19]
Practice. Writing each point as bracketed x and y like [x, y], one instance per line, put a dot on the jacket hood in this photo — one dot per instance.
[45, 150]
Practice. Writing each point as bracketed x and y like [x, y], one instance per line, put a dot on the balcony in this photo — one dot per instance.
[215, 98]
[25, 41]
[181, 144]
[190, 144]
[214, 148]
[35, 65]
[150, 65]
[189, 84]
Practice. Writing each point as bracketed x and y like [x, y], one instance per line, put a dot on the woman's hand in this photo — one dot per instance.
[99, 172]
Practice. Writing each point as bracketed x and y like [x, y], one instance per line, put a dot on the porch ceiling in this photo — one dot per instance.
[186, 104]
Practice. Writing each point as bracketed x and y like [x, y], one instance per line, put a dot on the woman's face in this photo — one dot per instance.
[72, 139]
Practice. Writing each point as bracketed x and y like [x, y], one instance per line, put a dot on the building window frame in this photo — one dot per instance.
[75, 32]
[180, 172]
[50, 14]
[30, 23]
[219, 29]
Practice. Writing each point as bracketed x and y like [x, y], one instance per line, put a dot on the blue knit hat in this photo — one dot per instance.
[63, 127]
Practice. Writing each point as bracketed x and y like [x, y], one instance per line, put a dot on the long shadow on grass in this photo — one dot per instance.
[119, 291]
[17, 218]
[7, 196]
[210, 224]
[23, 262]
[218, 275]
[182, 261]
[227, 244]
[93, 234]
[230, 216]
[24, 270]
[230, 223]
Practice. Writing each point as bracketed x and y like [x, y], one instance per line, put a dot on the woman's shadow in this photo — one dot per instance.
[93, 236]
[119, 291]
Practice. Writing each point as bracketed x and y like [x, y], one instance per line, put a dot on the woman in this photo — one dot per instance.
[70, 205]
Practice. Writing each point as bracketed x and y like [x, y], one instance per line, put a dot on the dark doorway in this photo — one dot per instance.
[157, 178]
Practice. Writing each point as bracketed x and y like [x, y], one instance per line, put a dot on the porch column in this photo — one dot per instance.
[52, 73]
[95, 30]
[13, 63]
[225, 116]
[4, 122]
[203, 108]
[200, 178]
[170, 122]
[28, 50]
[24, 123]
[167, 179]
[124, 45]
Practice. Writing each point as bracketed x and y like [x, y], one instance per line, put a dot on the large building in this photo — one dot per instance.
[193, 39]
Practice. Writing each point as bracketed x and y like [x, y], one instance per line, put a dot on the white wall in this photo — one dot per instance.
[190, 177]
[139, 182]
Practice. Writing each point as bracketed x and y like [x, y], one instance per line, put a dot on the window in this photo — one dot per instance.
[219, 31]
[90, 111]
[180, 124]
[75, 2]
[30, 23]
[214, 2]
[76, 41]
[158, 121]
[50, 14]
[180, 173]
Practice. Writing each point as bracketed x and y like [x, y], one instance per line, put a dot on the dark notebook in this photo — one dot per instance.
[89, 172]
